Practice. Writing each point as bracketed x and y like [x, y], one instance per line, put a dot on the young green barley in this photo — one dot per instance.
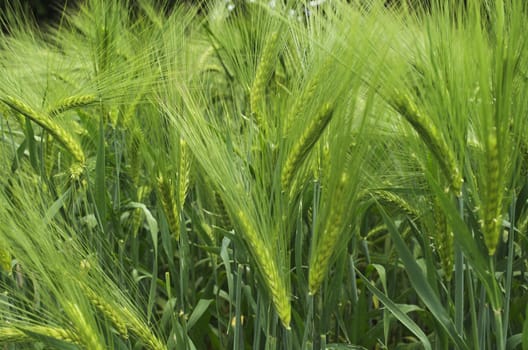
[491, 220]
[71, 102]
[262, 77]
[5, 258]
[87, 334]
[306, 96]
[139, 328]
[168, 203]
[302, 147]
[329, 238]
[431, 137]
[50, 126]
[221, 212]
[22, 334]
[137, 139]
[443, 240]
[393, 198]
[184, 172]
[109, 311]
[269, 269]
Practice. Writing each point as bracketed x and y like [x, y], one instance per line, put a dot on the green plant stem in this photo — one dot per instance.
[496, 310]
[509, 267]
[472, 309]
[459, 279]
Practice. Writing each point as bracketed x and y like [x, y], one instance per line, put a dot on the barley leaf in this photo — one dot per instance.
[421, 285]
[398, 312]
[199, 310]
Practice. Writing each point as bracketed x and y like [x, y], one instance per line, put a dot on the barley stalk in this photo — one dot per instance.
[262, 77]
[302, 147]
[329, 239]
[491, 221]
[432, 138]
[268, 268]
[71, 102]
[50, 126]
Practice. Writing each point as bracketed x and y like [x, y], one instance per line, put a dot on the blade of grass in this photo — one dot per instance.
[422, 287]
[397, 312]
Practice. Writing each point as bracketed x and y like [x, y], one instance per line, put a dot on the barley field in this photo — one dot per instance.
[265, 175]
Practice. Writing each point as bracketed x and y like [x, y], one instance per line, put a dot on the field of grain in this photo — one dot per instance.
[265, 175]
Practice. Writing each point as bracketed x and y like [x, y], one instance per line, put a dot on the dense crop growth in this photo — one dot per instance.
[265, 175]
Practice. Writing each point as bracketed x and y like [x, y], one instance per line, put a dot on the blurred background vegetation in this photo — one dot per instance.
[48, 11]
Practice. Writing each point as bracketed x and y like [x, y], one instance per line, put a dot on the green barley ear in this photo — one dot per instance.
[86, 332]
[5, 258]
[24, 333]
[304, 144]
[11, 335]
[221, 212]
[432, 137]
[168, 203]
[51, 127]
[398, 201]
[262, 76]
[307, 95]
[184, 172]
[443, 240]
[109, 311]
[137, 139]
[140, 329]
[71, 102]
[327, 244]
[270, 271]
[492, 193]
